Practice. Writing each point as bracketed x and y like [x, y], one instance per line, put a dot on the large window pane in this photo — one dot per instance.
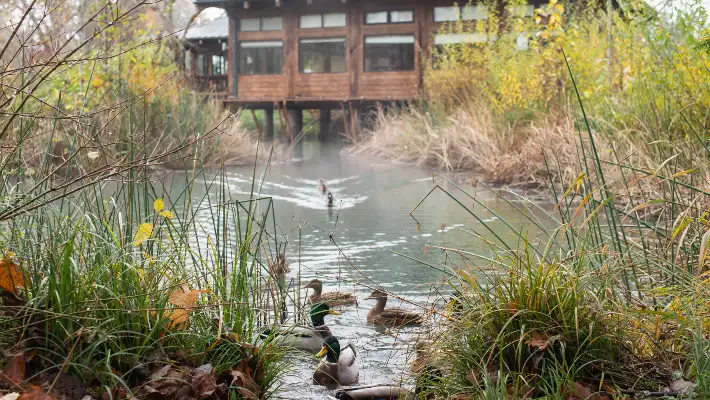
[379, 17]
[260, 58]
[271, 24]
[471, 13]
[219, 65]
[458, 38]
[389, 53]
[334, 20]
[321, 55]
[399, 17]
[202, 68]
[444, 14]
[249, 24]
[312, 21]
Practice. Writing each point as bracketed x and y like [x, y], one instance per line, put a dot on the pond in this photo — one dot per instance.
[369, 223]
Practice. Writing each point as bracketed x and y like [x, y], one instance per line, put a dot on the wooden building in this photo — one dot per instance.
[207, 57]
[333, 54]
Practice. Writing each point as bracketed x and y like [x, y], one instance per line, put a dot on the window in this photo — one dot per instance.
[202, 67]
[332, 20]
[219, 65]
[522, 11]
[317, 56]
[188, 60]
[459, 38]
[389, 53]
[261, 24]
[260, 58]
[389, 17]
[465, 13]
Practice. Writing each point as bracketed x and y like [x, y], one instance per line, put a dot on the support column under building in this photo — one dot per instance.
[268, 123]
[295, 122]
[324, 133]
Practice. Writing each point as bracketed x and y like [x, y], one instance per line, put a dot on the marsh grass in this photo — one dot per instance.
[125, 269]
[603, 294]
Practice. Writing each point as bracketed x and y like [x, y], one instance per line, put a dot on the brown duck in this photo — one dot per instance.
[321, 186]
[333, 299]
[390, 317]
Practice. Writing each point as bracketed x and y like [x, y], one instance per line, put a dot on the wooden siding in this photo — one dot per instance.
[323, 85]
[355, 83]
[262, 86]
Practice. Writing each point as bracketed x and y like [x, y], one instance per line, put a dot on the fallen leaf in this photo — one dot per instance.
[158, 205]
[35, 393]
[15, 369]
[204, 384]
[10, 275]
[93, 155]
[143, 233]
[168, 382]
[583, 391]
[10, 396]
[167, 214]
[538, 340]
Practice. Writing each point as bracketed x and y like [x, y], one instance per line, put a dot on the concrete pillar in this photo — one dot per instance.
[295, 121]
[324, 133]
[268, 123]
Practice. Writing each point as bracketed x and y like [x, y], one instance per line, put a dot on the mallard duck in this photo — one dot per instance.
[321, 185]
[340, 365]
[425, 378]
[333, 299]
[390, 317]
[421, 355]
[375, 392]
[304, 337]
[330, 199]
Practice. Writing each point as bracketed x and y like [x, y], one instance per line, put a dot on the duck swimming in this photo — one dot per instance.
[333, 299]
[321, 185]
[340, 366]
[390, 317]
[330, 199]
[304, 337]
[425, 378]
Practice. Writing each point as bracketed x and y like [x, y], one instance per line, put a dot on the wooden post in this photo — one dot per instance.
[346, 120]
[282, 124]
[256, 122]
[268, 123]
[295, 122]
[324, 133]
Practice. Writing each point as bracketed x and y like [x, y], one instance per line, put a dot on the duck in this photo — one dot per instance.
[375, 392]
[421, 355]
[390, 317]
[321, 185]
[425, 378]
[330, 199]
[333, 299]
[340, 365]
[304, 338]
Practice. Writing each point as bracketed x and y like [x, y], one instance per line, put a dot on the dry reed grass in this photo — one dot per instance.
[471, 139]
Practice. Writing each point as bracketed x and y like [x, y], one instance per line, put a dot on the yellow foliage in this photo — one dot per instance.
[143, 233]
[158, 205]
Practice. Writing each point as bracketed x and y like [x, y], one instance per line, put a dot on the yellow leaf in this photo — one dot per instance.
[184, 299]
[142, 234]
[167, 214]
[158, 205]
[10, 275]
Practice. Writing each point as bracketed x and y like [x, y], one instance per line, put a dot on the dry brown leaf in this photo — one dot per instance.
[35, 393]
[15, 369]
[538, 340]
[10, 275]
[204, 383]
[185, 298]
[583, 391]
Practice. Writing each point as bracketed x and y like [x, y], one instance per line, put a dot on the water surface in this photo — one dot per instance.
[350, 246]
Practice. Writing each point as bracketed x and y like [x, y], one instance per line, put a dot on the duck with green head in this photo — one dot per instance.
[340, 364]
[305, 338]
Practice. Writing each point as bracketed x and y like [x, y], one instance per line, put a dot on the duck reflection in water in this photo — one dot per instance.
[330, 200]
